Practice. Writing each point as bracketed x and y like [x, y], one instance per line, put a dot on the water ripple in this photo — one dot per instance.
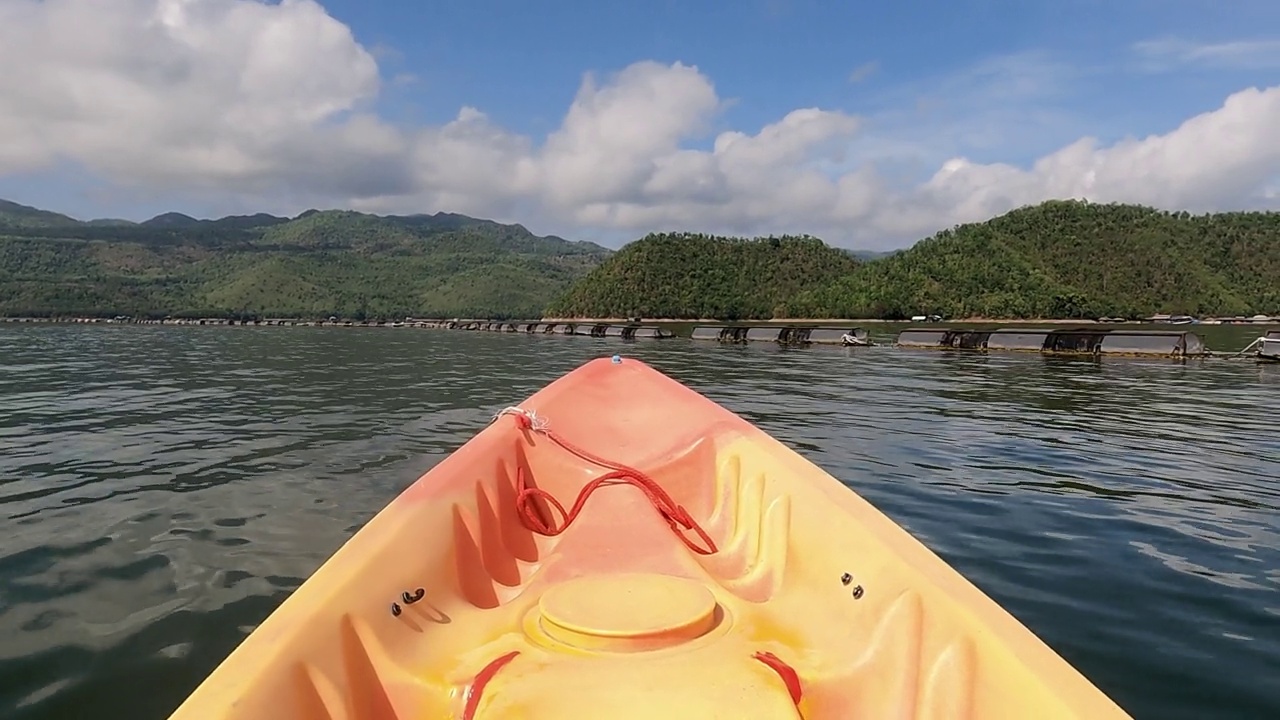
[165, 488]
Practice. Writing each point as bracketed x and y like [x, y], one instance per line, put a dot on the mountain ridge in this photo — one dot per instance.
[1061, 259]
[320, 263]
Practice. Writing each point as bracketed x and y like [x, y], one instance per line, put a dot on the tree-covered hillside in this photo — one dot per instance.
[1060, 259]
[342, 263]
[1069, 259]
[702, 276]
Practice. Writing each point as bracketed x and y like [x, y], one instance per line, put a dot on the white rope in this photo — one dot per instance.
[536, 422]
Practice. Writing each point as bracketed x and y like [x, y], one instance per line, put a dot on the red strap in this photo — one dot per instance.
[675, 515]
[788, 674]
[482, 678]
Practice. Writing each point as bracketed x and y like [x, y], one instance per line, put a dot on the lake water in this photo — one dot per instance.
[163, 489]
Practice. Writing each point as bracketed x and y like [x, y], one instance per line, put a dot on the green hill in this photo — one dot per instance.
[1059, 259]
[703, 276]
[321, 263]
[13, 215]
[1070, 259]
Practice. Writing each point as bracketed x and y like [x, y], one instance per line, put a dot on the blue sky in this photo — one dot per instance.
[990, 81]
[521, 62]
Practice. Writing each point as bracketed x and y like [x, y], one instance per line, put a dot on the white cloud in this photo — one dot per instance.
[864, 71]
[184, 91]
[1218, 159]
[256, 102]
[1171, 53]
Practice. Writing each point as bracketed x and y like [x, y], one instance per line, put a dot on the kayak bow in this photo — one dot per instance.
[619, 546]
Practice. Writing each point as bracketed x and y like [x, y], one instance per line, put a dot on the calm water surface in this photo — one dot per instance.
[163, 489]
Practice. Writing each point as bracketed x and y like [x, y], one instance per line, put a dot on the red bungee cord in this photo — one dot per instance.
[675, 515]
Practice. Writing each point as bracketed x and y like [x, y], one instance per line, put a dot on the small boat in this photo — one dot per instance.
[619, 546]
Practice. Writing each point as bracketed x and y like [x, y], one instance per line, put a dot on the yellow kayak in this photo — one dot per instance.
[619, 546]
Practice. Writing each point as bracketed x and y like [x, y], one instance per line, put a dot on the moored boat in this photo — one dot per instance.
[619, 546]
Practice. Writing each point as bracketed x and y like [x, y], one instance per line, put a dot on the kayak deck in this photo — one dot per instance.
[621, 547]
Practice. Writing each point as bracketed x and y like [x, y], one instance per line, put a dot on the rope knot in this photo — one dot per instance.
[525, 419]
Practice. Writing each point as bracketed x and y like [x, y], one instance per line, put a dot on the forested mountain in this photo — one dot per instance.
[1059, 259]
[702, 276]
[343, 263]
[1071, 259]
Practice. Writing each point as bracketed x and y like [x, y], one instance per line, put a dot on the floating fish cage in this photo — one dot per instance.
[827, 336]
[787, 335]
[589, 329]
[1016, 340]
[1154, 343]
[646, 333]
[705, 332]
[1269, 347]
[737, 334]
[762, 334]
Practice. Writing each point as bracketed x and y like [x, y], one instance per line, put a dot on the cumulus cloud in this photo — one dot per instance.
[205, 92]
[1214, 160]
[237, 98]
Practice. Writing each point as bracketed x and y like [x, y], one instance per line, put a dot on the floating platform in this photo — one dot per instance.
[647, 332]
[1085, 341]
[764, 334]
[705, 332]
[600, 330]
[829, 336]
[1269, 347]
[785, 335]
[1153, 343]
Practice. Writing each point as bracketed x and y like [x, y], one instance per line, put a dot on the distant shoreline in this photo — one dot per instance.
[804, 321]
[854, 322]
[436, 322]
